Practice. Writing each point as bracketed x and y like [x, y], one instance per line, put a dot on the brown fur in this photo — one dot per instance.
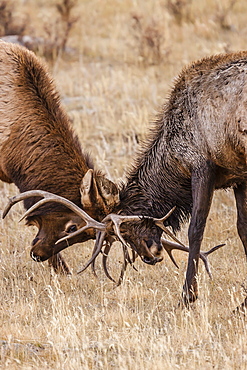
[39, 150]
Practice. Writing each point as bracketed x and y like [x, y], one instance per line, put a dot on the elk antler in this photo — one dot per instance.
[49, 197]
[127, 260]
[105, 254]
[100, 237]
[169, 246]
[160, 222]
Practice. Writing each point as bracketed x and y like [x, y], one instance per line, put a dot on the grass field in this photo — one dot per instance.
[119, 65]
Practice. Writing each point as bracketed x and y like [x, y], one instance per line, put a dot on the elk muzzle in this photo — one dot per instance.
[151, 252]
[38, 253]
[43, 249]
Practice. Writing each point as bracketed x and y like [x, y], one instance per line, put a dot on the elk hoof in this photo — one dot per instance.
[189, 297]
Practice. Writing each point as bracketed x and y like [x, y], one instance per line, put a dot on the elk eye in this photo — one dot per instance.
[71, 229]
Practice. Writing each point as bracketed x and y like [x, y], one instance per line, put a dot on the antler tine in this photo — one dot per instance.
[97, 249]
[12, 201]
[96, 225]
[124, 264]
[118, 219]
[102, 226]
[159, 222]
[49, 197]
[134, 256]
[169, 246]
[105, 255]
[104, 259]
[127, 260]
[164, 218]
[93, 262]
[204, 255]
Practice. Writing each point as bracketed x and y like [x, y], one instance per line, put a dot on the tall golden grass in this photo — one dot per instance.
[118, 72]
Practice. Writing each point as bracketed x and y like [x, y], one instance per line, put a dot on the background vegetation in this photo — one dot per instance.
[114, 63]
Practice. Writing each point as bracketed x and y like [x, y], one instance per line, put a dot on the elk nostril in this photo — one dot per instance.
[35, 241]
[152, 261]
[35, 258]
[149, 261]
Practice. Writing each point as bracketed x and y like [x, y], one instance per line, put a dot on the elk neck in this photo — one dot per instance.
[156, 183]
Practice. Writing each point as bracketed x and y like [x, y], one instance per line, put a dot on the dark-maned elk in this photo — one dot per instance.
[198, 144]
[40, 151]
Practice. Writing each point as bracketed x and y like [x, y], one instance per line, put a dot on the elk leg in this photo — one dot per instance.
[203, 184]
[59, 265]
[240, 193]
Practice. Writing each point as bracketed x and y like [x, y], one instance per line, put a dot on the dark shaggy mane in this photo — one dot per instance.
[155, 182]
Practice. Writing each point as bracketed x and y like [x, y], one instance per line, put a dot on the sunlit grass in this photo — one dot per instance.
[111, 92]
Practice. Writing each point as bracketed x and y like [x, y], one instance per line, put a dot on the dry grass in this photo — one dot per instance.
[111, 83]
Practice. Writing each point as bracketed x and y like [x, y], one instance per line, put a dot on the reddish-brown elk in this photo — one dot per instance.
[39, 150]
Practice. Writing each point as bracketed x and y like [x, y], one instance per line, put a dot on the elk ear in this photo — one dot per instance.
[98, 192]
[86, 189]
[108, 192]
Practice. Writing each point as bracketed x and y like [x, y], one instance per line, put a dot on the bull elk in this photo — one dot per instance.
[198, 144]
[40, 151]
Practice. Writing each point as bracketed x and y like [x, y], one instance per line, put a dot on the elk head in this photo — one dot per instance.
[98, 197]
[143, 235]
